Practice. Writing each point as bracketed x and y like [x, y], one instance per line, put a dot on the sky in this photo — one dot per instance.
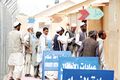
[32, 7]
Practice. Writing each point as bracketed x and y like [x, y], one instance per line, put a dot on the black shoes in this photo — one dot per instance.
[36, 76]
[11, 78]
[27, 75]
[46, 77]
[18, 79]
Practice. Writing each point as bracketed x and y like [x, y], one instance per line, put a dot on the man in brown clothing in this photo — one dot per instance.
[89, 46]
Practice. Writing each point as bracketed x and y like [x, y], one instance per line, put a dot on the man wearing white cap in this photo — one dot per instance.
[82, 35]
[28, 50]
[16, 58]
[57, 45]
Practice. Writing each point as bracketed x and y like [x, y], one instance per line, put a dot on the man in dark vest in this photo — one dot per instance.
[71, 35]
[57, 45]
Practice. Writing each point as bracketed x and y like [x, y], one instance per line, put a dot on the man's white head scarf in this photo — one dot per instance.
[16, 24]
[82, 23]
[58, 29]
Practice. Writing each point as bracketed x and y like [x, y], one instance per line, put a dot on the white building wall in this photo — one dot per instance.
[6, 19]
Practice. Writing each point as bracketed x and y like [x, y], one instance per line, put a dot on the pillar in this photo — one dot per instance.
[114, 37]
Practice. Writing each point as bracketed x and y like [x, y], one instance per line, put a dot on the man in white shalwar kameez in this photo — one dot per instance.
[16, 58]
[100, 39]
[64, 39]
[44, 44]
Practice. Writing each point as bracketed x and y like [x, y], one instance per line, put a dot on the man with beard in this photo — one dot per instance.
[28, 50]
[90, 46]
[100, 39]
[81, 36]
[70, 34]
[57, 45]
[16, 58]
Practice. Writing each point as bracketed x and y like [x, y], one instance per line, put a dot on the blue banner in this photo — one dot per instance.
[51, 59]
[88, 63]
[77, 74]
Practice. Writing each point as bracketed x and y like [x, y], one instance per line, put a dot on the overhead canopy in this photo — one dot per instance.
[55, 9]
[77, 7]
[65, 8]
[86, 3]
[68, 7]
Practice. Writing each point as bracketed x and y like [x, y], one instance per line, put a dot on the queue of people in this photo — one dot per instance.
[28, 50]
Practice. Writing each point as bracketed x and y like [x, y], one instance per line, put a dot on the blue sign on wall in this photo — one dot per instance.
[77, 74]
[51, 59]
[31, 20]
[88, 63]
